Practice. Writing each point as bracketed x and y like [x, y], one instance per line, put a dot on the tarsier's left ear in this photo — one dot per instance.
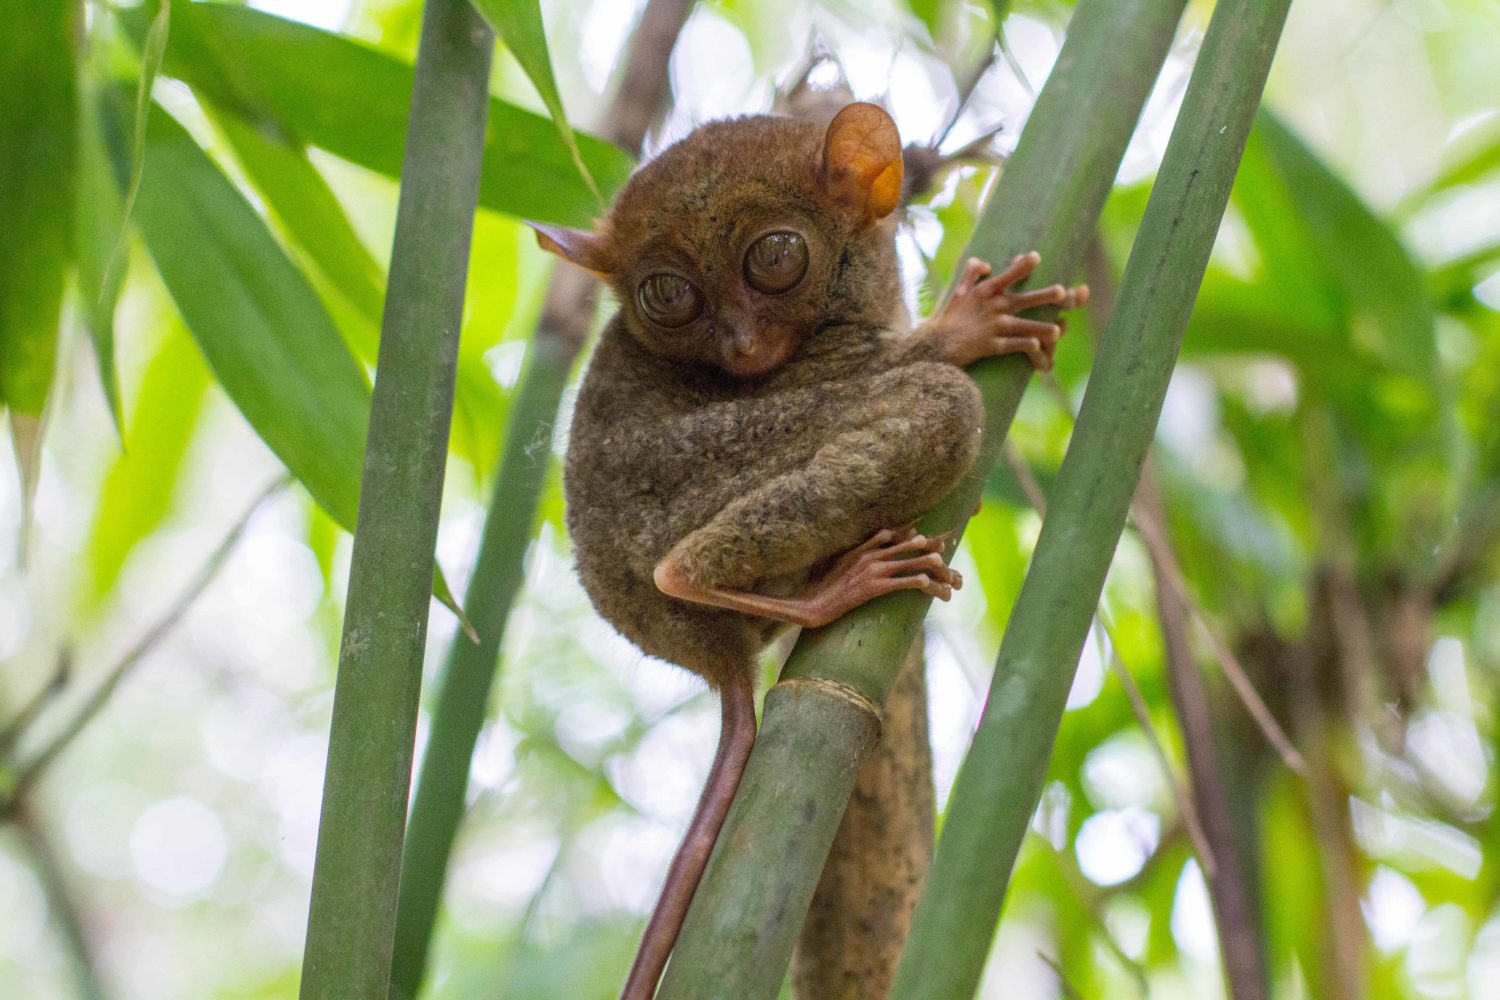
[862, 159]
[587, 250]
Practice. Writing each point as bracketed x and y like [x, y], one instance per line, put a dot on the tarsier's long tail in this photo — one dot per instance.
[736, 737]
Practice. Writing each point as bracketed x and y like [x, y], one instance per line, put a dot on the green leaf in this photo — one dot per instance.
[95, 234]
[519, 25]
[139, 488]
[262, 328]
[332, 92]
[929, 12]
[151, 56]
[1473, 158]
[308, 210]
[1390, 316]
[98, 286]
[37, 168]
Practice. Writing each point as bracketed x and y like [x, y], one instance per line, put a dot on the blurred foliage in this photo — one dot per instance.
[1329, 455]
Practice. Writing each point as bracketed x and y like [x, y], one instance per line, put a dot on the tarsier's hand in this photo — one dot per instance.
[979, 319]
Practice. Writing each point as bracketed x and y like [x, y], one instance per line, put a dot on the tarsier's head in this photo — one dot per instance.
[738, 243]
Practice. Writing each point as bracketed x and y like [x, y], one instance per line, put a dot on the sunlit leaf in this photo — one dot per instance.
[330, 91]
[1472, 158]
[139, 488]
[929, 12]
[518, 23]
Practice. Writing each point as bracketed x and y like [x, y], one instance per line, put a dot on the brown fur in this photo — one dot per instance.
[753, 482]
[733, 455]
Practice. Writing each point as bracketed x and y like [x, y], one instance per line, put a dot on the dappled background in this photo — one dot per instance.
[1329, 469]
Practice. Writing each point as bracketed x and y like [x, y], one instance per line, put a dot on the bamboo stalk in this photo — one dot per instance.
[463, 686]
[869, 887]
[352, 917]
[746, 915]
[1001, 779]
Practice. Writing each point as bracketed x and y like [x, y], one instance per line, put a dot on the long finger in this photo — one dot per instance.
[1019, 268]
[1052, 295]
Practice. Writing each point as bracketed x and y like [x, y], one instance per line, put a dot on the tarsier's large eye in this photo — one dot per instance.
[669, 299]
[776, 262]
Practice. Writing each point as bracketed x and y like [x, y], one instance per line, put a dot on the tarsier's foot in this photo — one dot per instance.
[890, 560]
[979, 320]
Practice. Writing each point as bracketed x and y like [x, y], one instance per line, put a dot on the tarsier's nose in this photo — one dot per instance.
[744, 343]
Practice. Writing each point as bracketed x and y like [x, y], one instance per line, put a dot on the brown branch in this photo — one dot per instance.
[1230, 891]
[645, 85]
[62, 905]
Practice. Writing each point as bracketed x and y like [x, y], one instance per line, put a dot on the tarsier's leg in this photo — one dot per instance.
[979, 321]
[849, 501]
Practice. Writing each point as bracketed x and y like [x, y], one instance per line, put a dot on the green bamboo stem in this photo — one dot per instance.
[463, 686]
[351, 922]
[739, 933]
[1001, 779]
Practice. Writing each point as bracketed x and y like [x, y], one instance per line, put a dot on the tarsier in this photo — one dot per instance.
[760, 426]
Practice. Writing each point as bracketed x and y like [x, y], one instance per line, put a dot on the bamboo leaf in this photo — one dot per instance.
[138, 489]
[340, 95]
[1001, 779]
[351, 922]
[747, 912]
[308, 210]
[261, 327]
[94, 235]
[1389, 314]
[1473, 158]
[38, 162]
[519, 25]
[152, 50]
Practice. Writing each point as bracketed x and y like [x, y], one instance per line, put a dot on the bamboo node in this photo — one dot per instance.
[838, 689]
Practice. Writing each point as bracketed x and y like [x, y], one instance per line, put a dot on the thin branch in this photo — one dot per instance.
[32, 769]
[1186, 806]
[1068, 989]
[28, 713]
[1161, 552]
[62, 905]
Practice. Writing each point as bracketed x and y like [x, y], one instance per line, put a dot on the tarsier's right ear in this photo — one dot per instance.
[862, 160]
[587, 250]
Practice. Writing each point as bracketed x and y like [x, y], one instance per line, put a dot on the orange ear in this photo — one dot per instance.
[862, 159]
[587, 250]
